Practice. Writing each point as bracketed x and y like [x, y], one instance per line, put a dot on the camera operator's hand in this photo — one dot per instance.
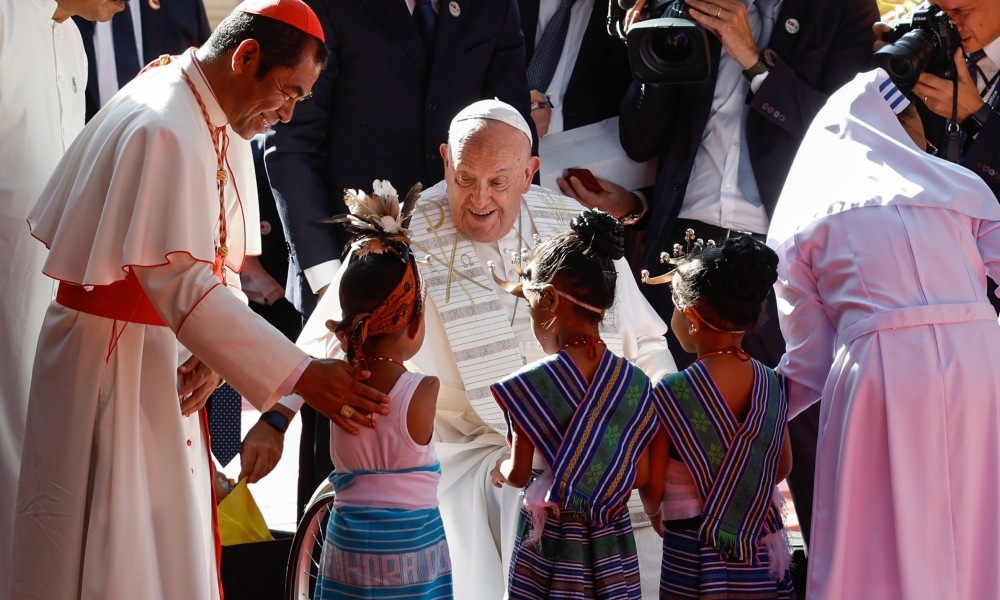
[937, 93]
[727, 19]
[634, 15]
[880, 30]
[542, 116]
[615, 200]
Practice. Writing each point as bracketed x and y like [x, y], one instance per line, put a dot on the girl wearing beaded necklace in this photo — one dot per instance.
[578, 421]
[387, 476]
[724, 431]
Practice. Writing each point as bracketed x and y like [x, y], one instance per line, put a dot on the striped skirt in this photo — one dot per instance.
[575, 559]
[692, 571]
[385, 553]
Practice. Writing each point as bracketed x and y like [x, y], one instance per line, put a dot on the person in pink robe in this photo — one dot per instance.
[884, 254]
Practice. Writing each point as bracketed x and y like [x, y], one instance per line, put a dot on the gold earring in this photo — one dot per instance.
[692, 329]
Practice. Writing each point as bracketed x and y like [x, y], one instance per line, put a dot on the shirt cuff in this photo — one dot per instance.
[322, 274]
[288, 385]
[758, 81]
[293, 403]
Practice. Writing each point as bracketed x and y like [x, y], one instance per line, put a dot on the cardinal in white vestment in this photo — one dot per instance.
[43, 75]
[882, 299]
[487, 210]
[148, 218]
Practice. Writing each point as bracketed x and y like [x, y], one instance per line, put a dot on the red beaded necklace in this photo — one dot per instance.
[739, 353]
[585, 340]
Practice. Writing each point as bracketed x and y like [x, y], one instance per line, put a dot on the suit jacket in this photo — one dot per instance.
[982, 156]
[601, 75]
[380, 111]
[833, 43]
[171, 29]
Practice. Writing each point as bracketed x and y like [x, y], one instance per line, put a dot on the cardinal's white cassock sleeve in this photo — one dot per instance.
[221, 330]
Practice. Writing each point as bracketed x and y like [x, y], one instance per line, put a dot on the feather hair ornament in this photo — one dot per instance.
[377, 221]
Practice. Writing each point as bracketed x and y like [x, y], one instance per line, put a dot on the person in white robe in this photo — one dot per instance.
[487, 210]
[884, 252]
[43, 76]
[148, 218]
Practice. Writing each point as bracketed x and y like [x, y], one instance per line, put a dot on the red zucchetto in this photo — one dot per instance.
[294, 12]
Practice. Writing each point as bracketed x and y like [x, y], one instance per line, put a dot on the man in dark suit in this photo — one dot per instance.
[573, 60]
[163, 27]
[399, 70]
[725, 146]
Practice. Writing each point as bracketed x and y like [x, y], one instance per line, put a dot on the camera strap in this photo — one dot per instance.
[953, 148]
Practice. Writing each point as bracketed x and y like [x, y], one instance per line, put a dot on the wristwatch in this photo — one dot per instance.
[975, 122]
[275, 419]
[766, 61]
[638, 211]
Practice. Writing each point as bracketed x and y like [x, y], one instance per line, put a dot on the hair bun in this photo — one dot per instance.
[601, 232]
[748, 267]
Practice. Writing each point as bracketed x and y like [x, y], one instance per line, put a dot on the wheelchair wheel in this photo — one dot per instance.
[307, 547]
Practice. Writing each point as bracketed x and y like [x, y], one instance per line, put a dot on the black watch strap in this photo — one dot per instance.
[276, 420]
[975, 122]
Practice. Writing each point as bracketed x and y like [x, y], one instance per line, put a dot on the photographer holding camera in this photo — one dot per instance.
[725, 144]
[977, 23]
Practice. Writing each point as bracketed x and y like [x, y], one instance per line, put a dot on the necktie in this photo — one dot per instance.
[224, 408]
[746, 181]
[426, 20]
[973, 60]
[126, 54]
[549, 48]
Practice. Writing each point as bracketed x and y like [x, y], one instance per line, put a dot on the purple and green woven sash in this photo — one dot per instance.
[733, 465]
[589, 436]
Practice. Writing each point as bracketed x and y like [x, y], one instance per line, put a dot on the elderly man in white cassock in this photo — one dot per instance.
[147, 218]
[43, 76]
[487, 210]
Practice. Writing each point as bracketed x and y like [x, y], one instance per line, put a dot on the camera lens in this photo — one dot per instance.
[671, 46]
[907, 58]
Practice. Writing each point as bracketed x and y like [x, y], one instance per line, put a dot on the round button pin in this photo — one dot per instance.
[265, 228]
[792, 25]
[454, 9]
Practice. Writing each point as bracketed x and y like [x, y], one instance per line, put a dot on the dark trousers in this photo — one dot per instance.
[766, 346]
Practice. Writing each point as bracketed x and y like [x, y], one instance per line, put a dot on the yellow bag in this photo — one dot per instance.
[240, 521]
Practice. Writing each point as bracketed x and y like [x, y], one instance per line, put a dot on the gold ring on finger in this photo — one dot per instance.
[347, 411]
[719, 13]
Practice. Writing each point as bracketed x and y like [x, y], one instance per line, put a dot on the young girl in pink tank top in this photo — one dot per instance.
[385, 537]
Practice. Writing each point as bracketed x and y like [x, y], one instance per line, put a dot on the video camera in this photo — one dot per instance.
[925, 44]
[666, 45]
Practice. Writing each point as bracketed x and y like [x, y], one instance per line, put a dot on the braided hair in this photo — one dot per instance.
[582, 260]
[729, 283]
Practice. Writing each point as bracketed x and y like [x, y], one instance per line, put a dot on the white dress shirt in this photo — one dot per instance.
[104, 53]
[713, 195]
[579, 16]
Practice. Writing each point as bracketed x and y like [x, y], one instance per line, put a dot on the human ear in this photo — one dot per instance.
[445, 155]
[246, 55]
[529, 173]
[692, 317]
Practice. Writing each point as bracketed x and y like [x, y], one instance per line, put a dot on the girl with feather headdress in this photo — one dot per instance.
[385, 536]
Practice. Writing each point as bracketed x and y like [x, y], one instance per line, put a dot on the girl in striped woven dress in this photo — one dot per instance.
[724, 445]
[578, 424]
[385, 538]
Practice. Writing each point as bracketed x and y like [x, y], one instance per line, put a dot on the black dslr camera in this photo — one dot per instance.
[667, 45]
[927, 43]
